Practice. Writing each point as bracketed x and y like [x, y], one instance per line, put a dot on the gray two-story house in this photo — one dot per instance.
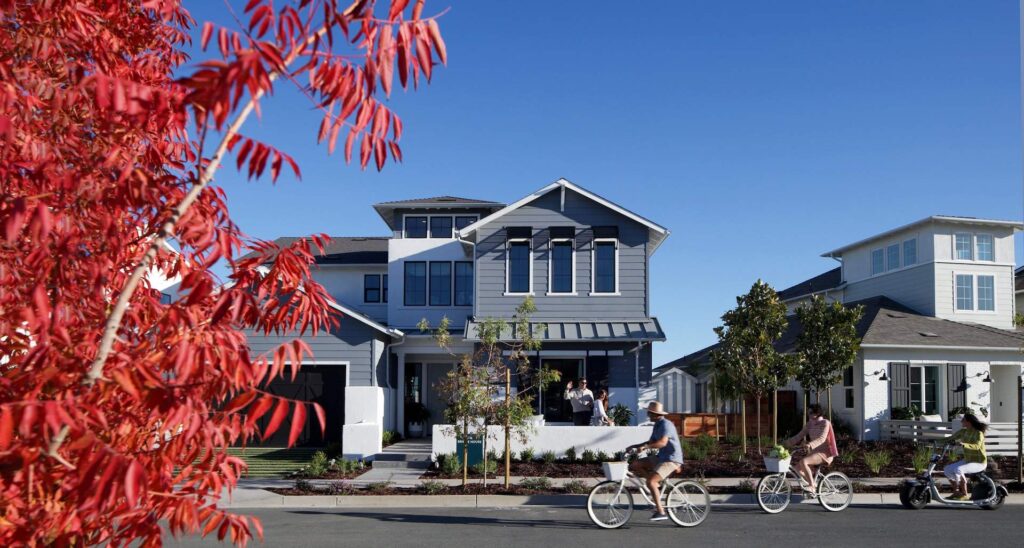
[583, 259]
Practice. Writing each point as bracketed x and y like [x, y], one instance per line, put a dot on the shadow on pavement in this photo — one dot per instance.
[543, 521]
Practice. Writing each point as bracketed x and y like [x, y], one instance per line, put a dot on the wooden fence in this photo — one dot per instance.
[1000, 439]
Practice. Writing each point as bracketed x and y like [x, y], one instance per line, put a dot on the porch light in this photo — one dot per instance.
[988, 378]
[884, 377]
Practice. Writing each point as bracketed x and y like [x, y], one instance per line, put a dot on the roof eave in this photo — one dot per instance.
[835, 253]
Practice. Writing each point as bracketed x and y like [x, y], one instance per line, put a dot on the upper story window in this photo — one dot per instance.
[877, 262]
[415, 283]
[562, 260]
[462, 221]
[985, 246]
[519, 261]
[964, 292]
[987, 293]
[892, 257]
[964, 248]
[415, 227]
[371, 288]
[384, 288]
[463, 283]
[440, 283]
[606, 260]
[910, 252]
[440, 227]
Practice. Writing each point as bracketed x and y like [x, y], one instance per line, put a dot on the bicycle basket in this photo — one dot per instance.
[776, 465]
[615, 471]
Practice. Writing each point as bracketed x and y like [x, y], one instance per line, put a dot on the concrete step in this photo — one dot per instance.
[401, 464]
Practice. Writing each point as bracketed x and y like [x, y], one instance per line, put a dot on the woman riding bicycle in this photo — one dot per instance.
[972, 438]
[820, 444]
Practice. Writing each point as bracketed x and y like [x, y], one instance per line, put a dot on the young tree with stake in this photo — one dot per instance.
[827, 344]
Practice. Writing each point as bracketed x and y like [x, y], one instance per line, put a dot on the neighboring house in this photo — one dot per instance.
[583, 259]
[937, 331]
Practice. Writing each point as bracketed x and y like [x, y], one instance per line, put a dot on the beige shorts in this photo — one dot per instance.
[652, 466]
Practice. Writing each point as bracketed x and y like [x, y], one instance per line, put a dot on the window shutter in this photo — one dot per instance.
[956, 377]
[899, 385]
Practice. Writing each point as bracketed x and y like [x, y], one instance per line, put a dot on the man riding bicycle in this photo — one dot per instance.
[669, 459]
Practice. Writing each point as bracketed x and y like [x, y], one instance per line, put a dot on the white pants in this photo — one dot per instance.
[958, 470]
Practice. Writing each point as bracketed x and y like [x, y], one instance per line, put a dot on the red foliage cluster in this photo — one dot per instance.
[116, 408]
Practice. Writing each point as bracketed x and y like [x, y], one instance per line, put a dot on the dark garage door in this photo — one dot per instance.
[323, 384]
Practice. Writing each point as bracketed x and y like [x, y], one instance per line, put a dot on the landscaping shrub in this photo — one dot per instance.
[548, 457]
[493, 455]
[570, 454]
[849, 455]
[765, 441]
[620, 456]
[620, 414]
[588, 457]
[734, 439]
[922, 455]
[906, 413]
[575, 487]
[876, 460]
[536, 484]
[378, 486]
[705, 441]
[602, 457]
[737, 455]
[745, 486]
[694, 451]
[390, 437]
[526, 455]
[449, 464]
[304, 486]
[317, 465]
[842, 428]
[432, 487]
[492, 467]
[339, 488]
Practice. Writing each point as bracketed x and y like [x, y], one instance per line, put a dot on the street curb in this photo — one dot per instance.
[511, 501]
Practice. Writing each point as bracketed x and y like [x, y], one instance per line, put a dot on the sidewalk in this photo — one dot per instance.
[254, 494]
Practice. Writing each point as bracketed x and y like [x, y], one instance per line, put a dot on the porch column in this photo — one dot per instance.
[400, 395]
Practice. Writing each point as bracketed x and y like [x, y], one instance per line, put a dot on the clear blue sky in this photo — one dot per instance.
[761, 133]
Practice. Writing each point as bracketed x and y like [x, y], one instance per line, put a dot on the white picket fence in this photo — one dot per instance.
[1000, 439]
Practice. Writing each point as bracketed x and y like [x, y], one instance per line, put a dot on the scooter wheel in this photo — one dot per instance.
[914, 496]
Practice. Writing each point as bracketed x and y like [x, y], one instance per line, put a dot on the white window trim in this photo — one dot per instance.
[508, 265]
[452, 216]
[974, 290]
[903, 252]
[871, 261]
[975, 247]
[955, 257]
[551, 268]
[940, 385]
[593, 266]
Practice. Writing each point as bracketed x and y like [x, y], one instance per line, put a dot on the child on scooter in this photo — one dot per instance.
[972, 438]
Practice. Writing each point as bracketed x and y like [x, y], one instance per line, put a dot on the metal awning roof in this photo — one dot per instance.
[647, 329]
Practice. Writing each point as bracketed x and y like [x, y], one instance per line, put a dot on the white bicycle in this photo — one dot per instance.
[835, 491]
[610, 503]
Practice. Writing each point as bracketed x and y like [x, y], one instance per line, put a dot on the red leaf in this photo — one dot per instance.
[435, 37]
[396, 8]
[207, 33]
[280, 412]
[134, 481]
[321, 417]
[6, 428]
[298, 423]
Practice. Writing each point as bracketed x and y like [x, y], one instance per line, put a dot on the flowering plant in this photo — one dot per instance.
[779, 452]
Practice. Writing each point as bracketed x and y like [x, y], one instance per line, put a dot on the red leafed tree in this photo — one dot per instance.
[115, 408]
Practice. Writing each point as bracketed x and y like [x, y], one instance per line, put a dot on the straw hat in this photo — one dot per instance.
[656, 408]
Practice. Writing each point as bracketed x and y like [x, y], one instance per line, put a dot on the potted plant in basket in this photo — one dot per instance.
[416, 414]
[777, 459]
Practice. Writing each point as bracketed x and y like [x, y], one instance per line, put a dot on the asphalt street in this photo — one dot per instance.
[727, 526]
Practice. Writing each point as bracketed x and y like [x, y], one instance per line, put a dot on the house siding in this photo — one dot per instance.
[345, 284]
[945, 292]
[913, 287]
[583, 214]
[353, 341]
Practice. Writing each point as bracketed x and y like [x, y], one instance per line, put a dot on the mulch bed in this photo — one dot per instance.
[536, 469]
[496, 488]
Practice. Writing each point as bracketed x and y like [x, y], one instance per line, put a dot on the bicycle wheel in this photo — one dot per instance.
[835, 492]
[610, 504]
[687, 503]
[773, 493]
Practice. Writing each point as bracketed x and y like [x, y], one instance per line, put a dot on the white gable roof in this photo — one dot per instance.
[658, 233]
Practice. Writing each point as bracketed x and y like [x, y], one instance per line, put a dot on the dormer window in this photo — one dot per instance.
[964, 248]
[892, 257]
[985, 245]
[440, 227]
[877, 262]
[416, 227]
[910, 252]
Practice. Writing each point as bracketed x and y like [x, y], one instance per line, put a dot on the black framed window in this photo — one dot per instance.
[415, 227]
[440, 283]
[519, 266]
[384, 288]
[463, 283]
[561, 266]
[462, 221]
[415, 283]
[440, 227]
[605, 267]
[371, 288]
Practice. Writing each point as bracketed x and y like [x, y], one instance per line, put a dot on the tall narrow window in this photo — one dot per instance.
[415, 227]
[384, 291]
[924, 388]
[877, 262]
[561, 266]
[440, 283]
[440, 227]
[964, 292]
[892, 258]
[848, 386]
[986, 247]
[519, 266]
[463, 283]
[463, 221]
[605, 267]
[415, 283]
[910, 252]
[964, 249]
[371, 288]
[987, 293]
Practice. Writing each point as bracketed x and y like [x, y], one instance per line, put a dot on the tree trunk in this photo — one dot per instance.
[483, 447]
[465, 451]
[775, 417]
[508, 438]
[743, 425]
[807, 401]
[758, 407]
[828, 396]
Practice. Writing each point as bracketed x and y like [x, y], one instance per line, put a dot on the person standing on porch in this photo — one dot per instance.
[582, 401]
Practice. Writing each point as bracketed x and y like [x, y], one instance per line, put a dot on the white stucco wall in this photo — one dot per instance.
[364, 422]
[609, 439]
[422, 249]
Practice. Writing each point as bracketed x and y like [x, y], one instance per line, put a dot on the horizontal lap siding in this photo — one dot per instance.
[913, 287]
[351, 342]
[583, 214]
[945, 290]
